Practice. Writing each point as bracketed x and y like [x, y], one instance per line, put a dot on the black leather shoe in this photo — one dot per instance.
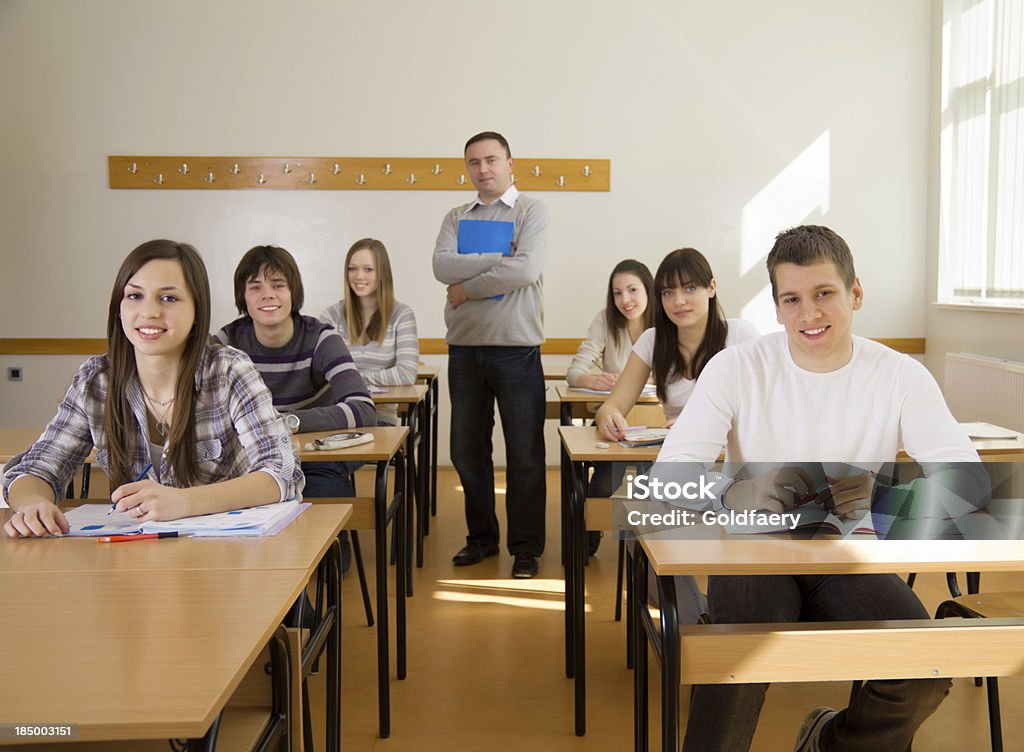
[525, 566]
[593, 541]
[473, 553]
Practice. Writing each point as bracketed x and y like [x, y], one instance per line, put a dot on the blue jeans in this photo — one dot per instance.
[477, 376]
[883, 716]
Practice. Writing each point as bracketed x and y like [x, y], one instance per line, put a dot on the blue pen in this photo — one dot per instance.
[142, 476]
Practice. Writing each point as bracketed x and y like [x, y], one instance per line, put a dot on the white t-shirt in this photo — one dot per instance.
[679, 391]
[763, 407]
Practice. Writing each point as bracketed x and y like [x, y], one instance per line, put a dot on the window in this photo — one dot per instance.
[981, 233]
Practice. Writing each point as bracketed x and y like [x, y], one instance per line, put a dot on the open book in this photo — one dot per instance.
[269, 519]
[809, 517]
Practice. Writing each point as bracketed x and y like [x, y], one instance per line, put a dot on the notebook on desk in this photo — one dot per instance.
[90, 520]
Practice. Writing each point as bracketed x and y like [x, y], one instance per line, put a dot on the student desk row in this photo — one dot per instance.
[430, 376]
[150, 641]
[579, 447]
[389, 443]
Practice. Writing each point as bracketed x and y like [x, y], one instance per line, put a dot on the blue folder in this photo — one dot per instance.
[486, 236]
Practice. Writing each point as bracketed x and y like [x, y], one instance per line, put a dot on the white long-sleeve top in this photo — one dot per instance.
[758, 403]
[599, 351]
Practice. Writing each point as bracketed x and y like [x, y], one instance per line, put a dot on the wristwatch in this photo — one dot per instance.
[293, 421]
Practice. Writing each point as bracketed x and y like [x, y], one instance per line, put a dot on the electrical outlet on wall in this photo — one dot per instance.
[15, 373]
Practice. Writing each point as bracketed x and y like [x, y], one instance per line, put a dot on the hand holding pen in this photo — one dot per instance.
[147, 500]
[141, 476]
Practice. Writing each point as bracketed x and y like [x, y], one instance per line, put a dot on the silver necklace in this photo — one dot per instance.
[161, 420]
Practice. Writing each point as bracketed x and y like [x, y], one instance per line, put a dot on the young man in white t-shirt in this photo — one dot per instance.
[815, 393]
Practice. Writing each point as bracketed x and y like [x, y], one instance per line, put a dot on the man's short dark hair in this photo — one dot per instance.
[487, 136]
[268, 259]
[811, 244]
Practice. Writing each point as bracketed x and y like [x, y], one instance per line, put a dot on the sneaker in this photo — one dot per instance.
[807, 739]
[473, 553]
[525, 566]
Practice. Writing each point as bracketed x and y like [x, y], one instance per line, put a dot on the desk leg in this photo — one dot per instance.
[435, 408]
[578, 546]
[402, 570]
[636, 604]
[333, 606]
[380, 513]
[209, 742]
[422, 473]
[567, 483]
[669, 663]
[565, 419]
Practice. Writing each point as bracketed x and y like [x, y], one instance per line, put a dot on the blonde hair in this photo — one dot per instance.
[366, 331]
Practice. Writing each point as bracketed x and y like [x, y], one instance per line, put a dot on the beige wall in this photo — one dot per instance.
[725, 122]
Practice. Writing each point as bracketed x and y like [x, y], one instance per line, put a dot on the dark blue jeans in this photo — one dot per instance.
[327, 480]
[884, 715]
[512, 376]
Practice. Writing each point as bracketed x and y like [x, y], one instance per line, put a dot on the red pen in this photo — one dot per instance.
[136, 537]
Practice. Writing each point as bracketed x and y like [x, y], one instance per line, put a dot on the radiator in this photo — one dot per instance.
[980, 388]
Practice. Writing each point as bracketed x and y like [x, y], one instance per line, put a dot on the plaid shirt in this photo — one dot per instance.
[238, 431]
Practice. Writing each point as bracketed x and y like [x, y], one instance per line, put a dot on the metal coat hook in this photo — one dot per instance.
[234, 169]
[437, 169]
[337, 169]
[361, 180]
[287, 168]
[261, 179]
[561, 181]
[411, 180]
[133, 168]
[159, 179]
[461, 180]
[586, 171]
[536, 171]
[311, 179]
[209, 177]
[387, 169]
[184, 168]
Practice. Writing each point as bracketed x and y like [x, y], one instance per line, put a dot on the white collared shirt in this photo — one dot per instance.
[508, 198]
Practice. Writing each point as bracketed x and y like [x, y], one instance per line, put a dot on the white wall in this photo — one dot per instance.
[725, 122]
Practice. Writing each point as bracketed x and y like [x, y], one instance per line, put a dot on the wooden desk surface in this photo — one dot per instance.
[580, 443]
[770, 555]
[16, 440]
[401, 395]
[428, 373]
[299, 546]
[387, 441]
[134, 655]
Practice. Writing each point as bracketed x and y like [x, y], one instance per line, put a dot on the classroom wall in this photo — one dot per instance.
[724, 123]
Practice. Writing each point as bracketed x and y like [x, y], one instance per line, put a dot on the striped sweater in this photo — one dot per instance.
[312, 376]
[393, 362]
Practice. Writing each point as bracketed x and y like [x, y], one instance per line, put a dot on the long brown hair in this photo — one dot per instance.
[118, 418]
[680, 267]
[377, 326]
[615, 322]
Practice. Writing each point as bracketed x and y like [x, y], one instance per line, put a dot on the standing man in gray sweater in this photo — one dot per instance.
[491, 253]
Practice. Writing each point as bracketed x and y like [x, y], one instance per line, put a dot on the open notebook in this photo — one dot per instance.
[92, 520]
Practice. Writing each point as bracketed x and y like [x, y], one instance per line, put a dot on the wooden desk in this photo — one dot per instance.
[431, 376]
[755, 653]
[389, 443]
[131, 656]
[578, 445]
[121, 594]
[414, 400]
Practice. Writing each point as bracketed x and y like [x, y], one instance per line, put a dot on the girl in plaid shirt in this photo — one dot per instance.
[162, 396]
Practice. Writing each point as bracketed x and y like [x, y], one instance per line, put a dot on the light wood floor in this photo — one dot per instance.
[486, 662]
